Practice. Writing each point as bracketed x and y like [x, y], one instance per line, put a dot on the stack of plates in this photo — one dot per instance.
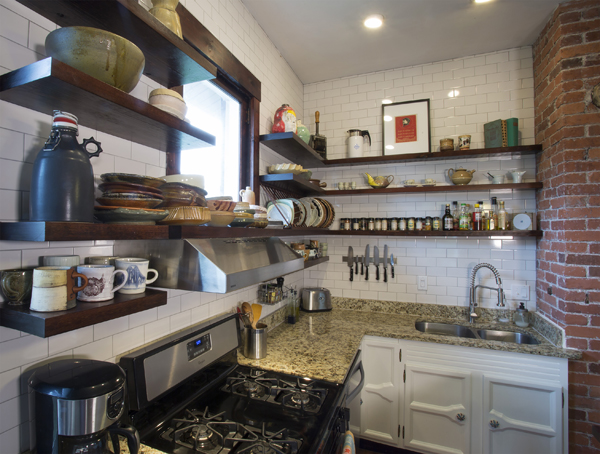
[306, 212]
[129, 199]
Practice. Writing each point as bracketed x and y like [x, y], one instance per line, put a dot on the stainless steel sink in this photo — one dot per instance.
[507, 336]
[448, 329]
[445, 329]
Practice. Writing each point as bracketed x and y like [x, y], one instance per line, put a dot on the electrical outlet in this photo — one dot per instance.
[520, 292]
[422, 283]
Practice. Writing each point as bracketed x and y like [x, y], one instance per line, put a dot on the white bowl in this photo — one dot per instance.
[192, 180]
[168, 100]
[221, 218]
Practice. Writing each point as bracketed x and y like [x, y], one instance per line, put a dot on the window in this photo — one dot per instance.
[215, 111]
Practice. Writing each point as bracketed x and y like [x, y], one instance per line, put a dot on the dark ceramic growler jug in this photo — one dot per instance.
[62, 183]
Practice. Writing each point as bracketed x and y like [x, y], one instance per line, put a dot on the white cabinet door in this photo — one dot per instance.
[437, 409]
[521, 417]
[379, 410]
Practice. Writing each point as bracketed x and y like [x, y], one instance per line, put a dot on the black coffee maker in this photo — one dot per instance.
[75, 406]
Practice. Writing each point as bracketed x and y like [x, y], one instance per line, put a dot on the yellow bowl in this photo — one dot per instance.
[98, 53]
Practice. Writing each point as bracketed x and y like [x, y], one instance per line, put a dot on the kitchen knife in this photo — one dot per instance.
[356, 265]
[362, 265]
[367, 262]
[317, 141]
[376, 260]
[350, 259]
[392, 264]
[385, 253]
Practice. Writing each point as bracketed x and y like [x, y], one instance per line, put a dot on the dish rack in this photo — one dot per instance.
[271, 293]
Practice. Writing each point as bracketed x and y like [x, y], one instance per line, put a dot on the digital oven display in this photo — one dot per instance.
[198, 346]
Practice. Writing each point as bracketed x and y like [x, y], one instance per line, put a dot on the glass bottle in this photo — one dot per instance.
[455, 215]
[448, 220]
[502, 217]
[493, 217]
[463, 219]
[477, 224]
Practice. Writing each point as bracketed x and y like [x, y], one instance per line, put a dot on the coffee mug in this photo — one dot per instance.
[16, 285]
[61, 260]
[464, 142]
[429, 181]
[409, 182]
[101, 280]
[101, 260]
[137, 274]
[446, 144]
[55, 288]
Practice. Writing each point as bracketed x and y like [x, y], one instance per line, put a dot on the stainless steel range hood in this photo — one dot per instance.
[216, 265]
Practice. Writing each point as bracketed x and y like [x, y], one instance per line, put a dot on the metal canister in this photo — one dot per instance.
[255, 341]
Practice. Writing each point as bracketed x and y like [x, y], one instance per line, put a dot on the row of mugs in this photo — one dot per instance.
[56, 287]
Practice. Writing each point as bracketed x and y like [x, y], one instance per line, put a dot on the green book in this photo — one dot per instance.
[494, 134]
[512, 132]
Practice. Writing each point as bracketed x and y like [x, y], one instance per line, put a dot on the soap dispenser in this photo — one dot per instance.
[521, 316]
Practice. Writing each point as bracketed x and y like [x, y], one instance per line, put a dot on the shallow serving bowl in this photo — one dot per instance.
[221, 205]
[168, 100]
[221, 218]
[98, 53]
[187, 216]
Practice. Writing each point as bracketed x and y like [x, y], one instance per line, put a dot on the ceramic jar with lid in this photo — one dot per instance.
[285, 119]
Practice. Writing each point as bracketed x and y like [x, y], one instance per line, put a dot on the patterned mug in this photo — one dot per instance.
[137, 274]
[101, 280]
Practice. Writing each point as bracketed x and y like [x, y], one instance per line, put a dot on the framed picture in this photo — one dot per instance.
[406, 127]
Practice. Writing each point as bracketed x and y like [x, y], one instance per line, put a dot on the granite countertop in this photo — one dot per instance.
[321, 345]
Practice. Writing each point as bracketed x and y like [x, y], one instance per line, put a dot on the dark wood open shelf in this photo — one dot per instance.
[292, 147]
[46, 324]
[170, 61]
[314, 262]
[461, 188]
[49, 85]
[436, 156]
[443, 233]
[291, 183]
[81, 231]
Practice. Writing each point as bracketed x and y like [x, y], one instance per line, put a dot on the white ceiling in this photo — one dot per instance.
[325, 39]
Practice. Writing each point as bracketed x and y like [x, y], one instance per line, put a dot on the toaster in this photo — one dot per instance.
[315, 299]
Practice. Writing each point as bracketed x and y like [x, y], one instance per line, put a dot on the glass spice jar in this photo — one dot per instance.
[355, 224]
[410, 224]
[371, 225]
[437, 223]
[419, 224]
[377, 223]
[428, 224]
[384, 224]
[364, 223]
[402, 224]
[393, 223]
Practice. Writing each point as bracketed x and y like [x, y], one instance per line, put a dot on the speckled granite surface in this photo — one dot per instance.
[322, 345]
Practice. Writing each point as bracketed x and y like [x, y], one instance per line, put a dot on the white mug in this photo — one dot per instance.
[137, 274]
[61, 260]
[54, 288]
[101, 280]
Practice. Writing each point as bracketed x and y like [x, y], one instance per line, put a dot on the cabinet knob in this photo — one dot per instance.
[494, 424]
[461, 417]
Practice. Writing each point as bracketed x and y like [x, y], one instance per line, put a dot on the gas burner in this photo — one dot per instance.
[263, 442]
[300, 398]
[253, 384]
[302, 395]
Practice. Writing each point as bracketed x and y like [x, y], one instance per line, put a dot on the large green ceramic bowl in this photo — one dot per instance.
[101, 54]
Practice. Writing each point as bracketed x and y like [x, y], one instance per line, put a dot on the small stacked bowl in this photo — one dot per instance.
[221, 211]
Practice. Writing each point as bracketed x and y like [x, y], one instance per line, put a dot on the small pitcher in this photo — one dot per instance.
[247, 195]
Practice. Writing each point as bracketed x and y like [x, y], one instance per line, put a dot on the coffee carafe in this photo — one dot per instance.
[75, 406]
[359, 143]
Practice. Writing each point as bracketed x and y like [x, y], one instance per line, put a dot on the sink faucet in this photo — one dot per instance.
[472, 299]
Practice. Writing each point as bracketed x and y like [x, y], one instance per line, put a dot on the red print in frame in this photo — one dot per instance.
[406, 128]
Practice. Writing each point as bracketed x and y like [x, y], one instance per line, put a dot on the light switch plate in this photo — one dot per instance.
[520, 292]
[422, 283]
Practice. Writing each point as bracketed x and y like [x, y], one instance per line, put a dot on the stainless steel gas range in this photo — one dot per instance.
[188, 394]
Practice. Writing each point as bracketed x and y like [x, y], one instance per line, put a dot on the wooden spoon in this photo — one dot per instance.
[256, 311]
[247, 313]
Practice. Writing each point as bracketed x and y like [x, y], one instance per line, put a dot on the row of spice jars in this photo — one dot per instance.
[392, 224]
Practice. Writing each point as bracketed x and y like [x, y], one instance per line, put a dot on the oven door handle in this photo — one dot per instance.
[360, 385]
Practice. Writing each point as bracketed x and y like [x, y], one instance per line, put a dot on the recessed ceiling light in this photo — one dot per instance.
[386, 101]
[374, 21]
[481, 1]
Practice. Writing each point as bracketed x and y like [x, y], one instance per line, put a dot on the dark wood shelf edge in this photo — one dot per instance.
[472, 153]
[310, 263]
[291, 182]
[439, 233]
[292, 147]
[460, 188]
[46, 324]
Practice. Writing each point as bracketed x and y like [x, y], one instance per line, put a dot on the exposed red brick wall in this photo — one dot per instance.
[567, 124]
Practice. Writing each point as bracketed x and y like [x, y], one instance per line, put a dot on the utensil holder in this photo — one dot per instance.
[254, 342]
